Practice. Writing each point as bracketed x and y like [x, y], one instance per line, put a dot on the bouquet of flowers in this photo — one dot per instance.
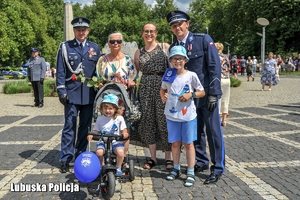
[91, 82]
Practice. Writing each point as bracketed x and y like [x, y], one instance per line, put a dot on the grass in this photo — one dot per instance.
[23, 86]
[296, 73]
[235, 82]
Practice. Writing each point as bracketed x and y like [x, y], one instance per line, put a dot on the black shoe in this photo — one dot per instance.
[252, 79]
[41, 105]
[64, 168]
[200, 169]
[213, 178]
[36, 104]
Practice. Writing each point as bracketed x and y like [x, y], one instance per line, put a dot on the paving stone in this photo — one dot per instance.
[44, 119]
[10, 119]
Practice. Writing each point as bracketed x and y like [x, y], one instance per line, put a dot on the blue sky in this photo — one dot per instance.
[182, 4]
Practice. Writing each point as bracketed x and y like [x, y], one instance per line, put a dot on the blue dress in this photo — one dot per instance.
[269, 75]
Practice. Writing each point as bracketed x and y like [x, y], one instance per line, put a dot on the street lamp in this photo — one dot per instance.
[206, 30]
[228, 45]
[264, 22]
[261, 46]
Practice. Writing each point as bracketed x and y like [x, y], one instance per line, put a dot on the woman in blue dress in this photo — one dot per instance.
[269, 75]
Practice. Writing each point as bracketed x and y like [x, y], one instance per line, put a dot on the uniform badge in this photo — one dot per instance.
[92, 52]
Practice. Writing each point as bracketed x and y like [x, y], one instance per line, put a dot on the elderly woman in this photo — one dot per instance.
[269, 75]
[152, 60]
[225, 84]
[116, 66]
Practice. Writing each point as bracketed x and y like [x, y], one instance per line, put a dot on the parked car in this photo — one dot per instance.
[11, 73]
[23, 71]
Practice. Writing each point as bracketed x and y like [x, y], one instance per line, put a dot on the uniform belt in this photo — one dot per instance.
[155, 73]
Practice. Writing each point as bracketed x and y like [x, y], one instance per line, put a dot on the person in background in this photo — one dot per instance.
[269, 73]
[249, 68]
[74, 57]
[152, 61]
[243, 66]
[225, 85]
[180, 111]
[204, 61]
[234, 66]
[36, 75]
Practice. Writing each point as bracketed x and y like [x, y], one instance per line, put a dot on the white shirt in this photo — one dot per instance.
[174, 109]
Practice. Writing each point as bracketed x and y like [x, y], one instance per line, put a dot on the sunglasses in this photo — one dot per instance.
[149, 31]
[114, 41]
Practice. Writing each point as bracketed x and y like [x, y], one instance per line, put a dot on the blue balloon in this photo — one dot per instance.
[87, 167]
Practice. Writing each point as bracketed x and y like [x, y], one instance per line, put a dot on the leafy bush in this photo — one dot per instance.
[17, 87]
[50, 88]
[25, 87]
[235, 82]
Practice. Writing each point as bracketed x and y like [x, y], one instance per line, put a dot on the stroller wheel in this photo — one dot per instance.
[109, 185]
[131, 170]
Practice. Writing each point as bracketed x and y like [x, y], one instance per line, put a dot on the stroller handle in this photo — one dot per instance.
[97, 136]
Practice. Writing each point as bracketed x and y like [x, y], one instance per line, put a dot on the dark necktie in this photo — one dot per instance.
[81, 48]
[182, 44]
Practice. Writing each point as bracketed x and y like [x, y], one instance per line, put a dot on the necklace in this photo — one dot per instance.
[151, 47]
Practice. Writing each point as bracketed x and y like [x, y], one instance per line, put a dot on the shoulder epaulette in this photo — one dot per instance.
[92, 42]
[199, 34]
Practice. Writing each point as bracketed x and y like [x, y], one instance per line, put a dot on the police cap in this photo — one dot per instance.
[177, 16]
[80, 22]
[34, 50]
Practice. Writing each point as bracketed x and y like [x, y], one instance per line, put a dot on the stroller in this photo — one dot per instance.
[107, 174]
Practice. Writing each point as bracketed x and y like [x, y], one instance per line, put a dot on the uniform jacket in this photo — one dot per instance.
[78, 92]
[36, 68]
[205, 62]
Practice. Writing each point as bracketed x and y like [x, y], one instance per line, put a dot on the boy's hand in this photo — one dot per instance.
[125, 135]
[89, 138]
[185, 97]
[164, 98]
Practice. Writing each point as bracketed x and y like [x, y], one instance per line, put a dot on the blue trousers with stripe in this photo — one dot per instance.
[209, 125]
[72, 143]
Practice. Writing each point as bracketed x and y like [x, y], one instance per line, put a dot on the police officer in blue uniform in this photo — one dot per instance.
[36, 75]
[204, 61]
[74, 57]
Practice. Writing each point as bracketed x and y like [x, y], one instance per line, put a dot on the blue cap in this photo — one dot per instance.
[80, 22]
[110, 98]
[178, 50]
[177, 16]
[34, 50]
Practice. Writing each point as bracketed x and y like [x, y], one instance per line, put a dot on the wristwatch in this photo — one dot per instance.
[193, 95]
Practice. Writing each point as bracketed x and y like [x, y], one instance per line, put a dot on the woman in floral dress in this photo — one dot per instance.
[269, 75]
[117, 67]
[152, 61]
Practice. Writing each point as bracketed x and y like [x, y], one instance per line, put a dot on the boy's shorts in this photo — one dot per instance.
[100, 145]
[182, 131]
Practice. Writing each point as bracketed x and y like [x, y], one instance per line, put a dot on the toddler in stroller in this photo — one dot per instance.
[111, 122]
[111, 131]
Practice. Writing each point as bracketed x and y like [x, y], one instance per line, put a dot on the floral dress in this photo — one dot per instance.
[116, 71]
[269, 75]
[152, 128]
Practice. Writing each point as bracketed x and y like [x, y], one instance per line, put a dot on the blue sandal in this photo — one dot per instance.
[190, 180]
[174, 174]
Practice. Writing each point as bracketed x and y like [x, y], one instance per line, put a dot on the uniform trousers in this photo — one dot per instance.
[208, 124]
[72, 143]
[38, 91]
